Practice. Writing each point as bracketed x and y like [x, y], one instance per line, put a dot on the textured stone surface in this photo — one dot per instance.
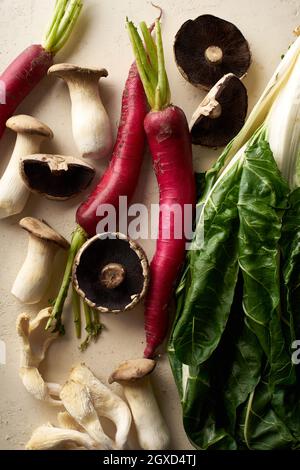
[100, 40]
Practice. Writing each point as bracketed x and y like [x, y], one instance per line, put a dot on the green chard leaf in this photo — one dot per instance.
[262, 198]
[260, 427]
[213, 274]
[290, 245]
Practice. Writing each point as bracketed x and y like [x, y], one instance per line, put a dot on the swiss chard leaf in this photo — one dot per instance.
[260, 427]
[213, 273]
[262, 199]
[290, 244]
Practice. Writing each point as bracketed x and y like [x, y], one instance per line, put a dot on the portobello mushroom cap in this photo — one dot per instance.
[222, 113]
[209, 47]
[56, 176]
[111, 272]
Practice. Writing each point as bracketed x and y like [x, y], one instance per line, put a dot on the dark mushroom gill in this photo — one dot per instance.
[94, 258]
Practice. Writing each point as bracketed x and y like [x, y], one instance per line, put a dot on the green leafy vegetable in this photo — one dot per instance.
[238, 313]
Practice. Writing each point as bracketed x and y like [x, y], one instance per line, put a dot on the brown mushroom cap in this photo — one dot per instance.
[56, 176]
[132, 370]
[40, 229]
[104, 250]
[28, 125]
[70, 70]
[222, 113]
[209, 47]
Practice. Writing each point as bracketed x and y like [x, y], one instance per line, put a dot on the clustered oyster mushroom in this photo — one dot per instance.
[30, 134]
[34, 276]
[56, 177]
[35, 341]
[91, 126]
[209, 47]
[222, 113]
[134, 376]
[85, 399]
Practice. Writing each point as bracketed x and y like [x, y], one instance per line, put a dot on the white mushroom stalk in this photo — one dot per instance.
[30, 134]
[106, 402]
[33, 278]
[48, 437]
[151, 428]
[91, 126]
[35, 341]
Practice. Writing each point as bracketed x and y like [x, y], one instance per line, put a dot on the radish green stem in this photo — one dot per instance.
[150, 45]
[162, 93]
[78, 239]
[76, 313]
[158, 90]
[145, 61]
[146, 83]
[97, 323]
[89, 327]
[65, 16]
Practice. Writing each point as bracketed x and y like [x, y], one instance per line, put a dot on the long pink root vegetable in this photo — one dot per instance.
[170, 144]
[27, 70]
[121, 177]
[169, 141]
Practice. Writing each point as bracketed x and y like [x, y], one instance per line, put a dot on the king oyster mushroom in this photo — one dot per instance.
[111, 272]
[56, 176]
[34, 276]
[134, 376]
[92, 130]
[30, 134]
[222, 113]
[209, 47]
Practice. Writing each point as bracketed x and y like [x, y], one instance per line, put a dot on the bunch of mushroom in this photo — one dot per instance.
[86, 399]
[212, 53]
[56, 176]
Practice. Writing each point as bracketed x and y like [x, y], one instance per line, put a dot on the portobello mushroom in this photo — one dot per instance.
[209, 47]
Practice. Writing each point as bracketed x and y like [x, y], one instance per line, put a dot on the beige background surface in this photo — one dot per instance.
[100, 40]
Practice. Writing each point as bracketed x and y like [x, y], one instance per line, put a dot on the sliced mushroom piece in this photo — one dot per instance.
[106, 402]
[77, 400]
[34, 276]
[91, 126]
[222, 113]
[30, 134]
[134, 376]
[35, 342]
[209, 47]
[48, 437]
[111, 272]
[56, 176]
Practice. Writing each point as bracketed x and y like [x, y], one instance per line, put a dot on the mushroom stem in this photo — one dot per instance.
[134, 376]
[151, 428]
[13, 192]
[91, 126]
[90, 122]
[33, 278]
[214, 55]
[112, 275]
